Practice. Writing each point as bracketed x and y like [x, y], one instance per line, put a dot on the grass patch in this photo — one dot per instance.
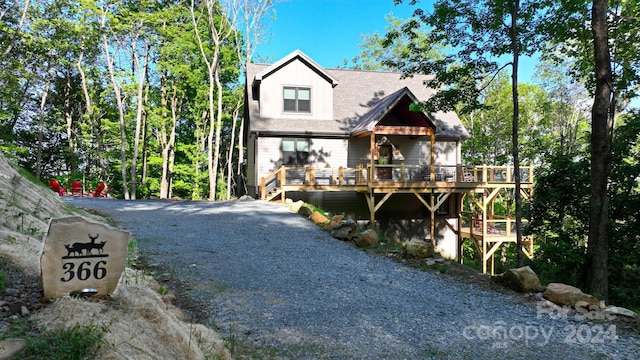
[77, 342]
[315, 208]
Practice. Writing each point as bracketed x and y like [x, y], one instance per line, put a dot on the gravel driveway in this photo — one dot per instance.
[274, 283]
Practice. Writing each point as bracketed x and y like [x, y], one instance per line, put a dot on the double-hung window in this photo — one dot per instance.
[297, 99]
[295, 152]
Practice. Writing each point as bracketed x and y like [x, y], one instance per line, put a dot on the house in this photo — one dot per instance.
[352, 142]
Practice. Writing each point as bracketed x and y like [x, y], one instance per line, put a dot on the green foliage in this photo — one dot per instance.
[476, 34]
[379, 53]
[77, 342]
[61, 48]
[560, 221]
[567, 26]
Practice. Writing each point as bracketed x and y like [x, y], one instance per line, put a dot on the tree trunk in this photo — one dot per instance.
[162, 139]
[597, 247]
[120, 107]
[234, 120]
[145, 138]
[141, 70]
[23, 19]
[175, 105]
[43, 102]
[514, 131]
[95, 126]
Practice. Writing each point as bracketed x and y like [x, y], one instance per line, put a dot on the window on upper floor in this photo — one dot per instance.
[295, 152]
[297, 99]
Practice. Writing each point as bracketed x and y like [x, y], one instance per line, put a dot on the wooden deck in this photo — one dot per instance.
[385, 178]
[432, 186]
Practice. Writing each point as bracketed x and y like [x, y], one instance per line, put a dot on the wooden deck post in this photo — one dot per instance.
[433, 219]
[432, 165]
[372, 149]
[282, 177]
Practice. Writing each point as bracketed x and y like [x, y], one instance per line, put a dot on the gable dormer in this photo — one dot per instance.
[295, 87]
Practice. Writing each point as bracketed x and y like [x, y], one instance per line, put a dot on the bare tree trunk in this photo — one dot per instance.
[43, 102]
[23, 17]
[120, 107]
[141, 69]
[515, 44]
[95, 127]
[234, 119]
[145, 138]
[216, 153]
[251, 13]
[597, 247]
[175, 105]
[201, 141]
[219, 30]
[162, 139]
[210, 164]
[68, 117]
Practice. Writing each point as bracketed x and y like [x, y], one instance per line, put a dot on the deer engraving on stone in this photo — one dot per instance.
[85, 249]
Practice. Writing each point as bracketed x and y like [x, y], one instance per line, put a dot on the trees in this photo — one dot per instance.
[114, 91]
[599, 40]
[381, 52]
[477, 34]
[250, 16]
[220, 30]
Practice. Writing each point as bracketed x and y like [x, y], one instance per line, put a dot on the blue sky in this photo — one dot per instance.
[329, 31]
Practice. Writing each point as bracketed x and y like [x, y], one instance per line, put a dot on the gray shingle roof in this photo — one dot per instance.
[356, 95]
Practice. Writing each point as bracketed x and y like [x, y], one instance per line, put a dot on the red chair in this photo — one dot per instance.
[76, 188]
[98, 191]
[55, 186]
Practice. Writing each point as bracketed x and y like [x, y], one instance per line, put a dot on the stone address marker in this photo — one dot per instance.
[79, 254]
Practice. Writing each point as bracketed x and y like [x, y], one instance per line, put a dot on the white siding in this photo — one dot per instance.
[328, 153]
[298, 74]
[324, 153]
[446, 153]
[415, 152]
[269, 156]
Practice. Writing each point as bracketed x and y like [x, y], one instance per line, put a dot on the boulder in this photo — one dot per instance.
[616, 310]
[293, 206]
[418, 249]
[563, 294]
[318, 218]
[367, 238]
[346, 230]
[305, 211]
[81, 255]
[335, 220]
[522, 279]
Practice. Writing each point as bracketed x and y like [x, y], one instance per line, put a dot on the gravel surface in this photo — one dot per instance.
[276, 286]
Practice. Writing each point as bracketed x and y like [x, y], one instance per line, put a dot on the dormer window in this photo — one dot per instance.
[297, 99]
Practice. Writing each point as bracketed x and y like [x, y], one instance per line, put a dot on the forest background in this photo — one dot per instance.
[148, 96]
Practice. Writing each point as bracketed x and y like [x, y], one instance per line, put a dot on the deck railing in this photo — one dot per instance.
[498, 226]
[362, 175]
